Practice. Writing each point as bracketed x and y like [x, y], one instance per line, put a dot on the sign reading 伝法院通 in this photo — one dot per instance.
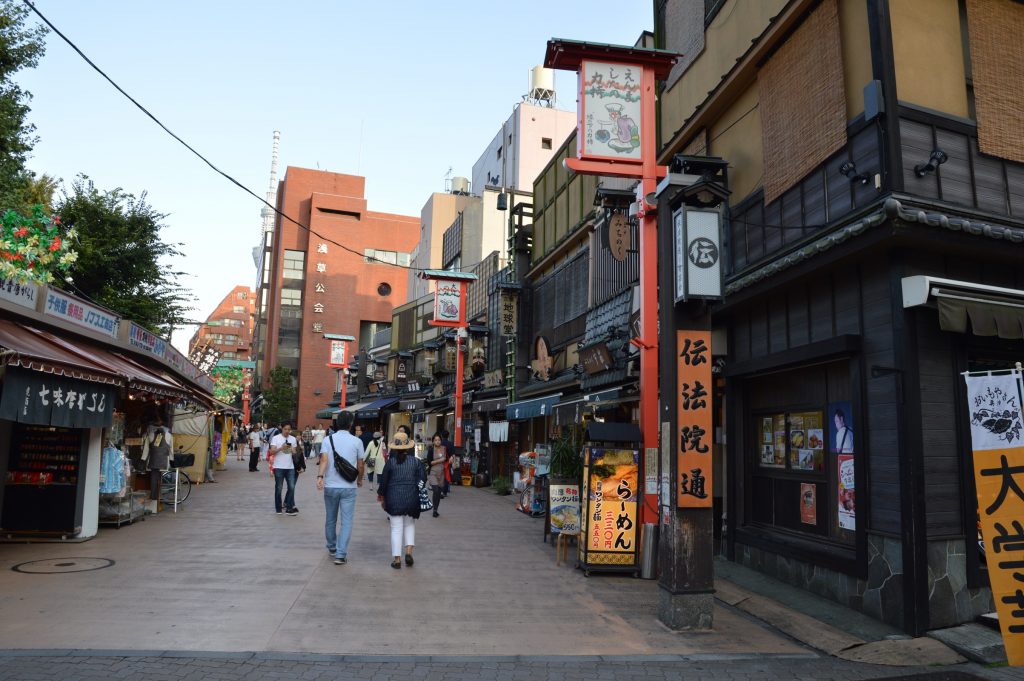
[994, 407]
[693, 486]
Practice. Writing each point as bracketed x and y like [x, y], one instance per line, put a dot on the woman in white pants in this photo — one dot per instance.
[398, 493]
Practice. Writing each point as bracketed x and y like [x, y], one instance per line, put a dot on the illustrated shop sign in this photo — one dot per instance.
[337, 354]
[49, 400]
[146, 340]
[18, 293]
[610, 111]
[448, 302]
[81, 314]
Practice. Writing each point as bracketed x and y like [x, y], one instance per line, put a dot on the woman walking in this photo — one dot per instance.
[437, 455]
[375, 458]
[398, 494]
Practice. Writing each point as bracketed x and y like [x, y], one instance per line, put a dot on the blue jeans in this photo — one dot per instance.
[345, 500]
[284, 475]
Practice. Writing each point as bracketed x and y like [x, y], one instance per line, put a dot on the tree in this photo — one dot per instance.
[279, 397]
[20, 47]
[120, 256]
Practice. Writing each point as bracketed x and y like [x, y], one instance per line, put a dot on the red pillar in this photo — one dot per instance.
[648, 289]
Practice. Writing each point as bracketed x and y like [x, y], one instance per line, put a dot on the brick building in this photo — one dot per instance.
[311, 286]
[229, 327]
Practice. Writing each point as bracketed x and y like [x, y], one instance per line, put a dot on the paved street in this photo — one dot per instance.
[246, 590]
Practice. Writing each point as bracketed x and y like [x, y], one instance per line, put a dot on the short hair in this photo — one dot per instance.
[286, 423]
[344, 420]
[445, 434]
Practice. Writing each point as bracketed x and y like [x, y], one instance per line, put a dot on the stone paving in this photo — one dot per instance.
[226, 589]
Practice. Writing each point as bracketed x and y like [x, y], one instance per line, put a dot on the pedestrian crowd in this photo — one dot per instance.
[346, 455]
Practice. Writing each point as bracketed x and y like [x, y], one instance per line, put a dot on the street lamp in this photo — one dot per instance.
[339, 359]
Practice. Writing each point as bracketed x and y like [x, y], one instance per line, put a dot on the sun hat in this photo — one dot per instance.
[400, 442]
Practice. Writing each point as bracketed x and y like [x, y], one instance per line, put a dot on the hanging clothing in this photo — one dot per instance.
[112, 472]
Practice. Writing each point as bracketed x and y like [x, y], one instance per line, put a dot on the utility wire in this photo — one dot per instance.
[205, 160]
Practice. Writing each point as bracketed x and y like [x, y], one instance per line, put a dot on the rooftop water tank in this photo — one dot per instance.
[460, 185]
[542, 83]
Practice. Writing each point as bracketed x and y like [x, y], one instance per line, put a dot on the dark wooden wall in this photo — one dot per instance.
[852, 299]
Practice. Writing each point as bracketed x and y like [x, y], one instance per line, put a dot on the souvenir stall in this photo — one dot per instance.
[192, 430]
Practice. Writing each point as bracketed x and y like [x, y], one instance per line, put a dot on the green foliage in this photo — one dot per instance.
[567, 454]
[34, 247]
[21, 47]
[121, 258]
[502, 485]
[279, 398]
[228, 383]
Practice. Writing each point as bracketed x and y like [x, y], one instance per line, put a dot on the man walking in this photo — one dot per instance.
[255, 444]
[281, 447]
[339, 493]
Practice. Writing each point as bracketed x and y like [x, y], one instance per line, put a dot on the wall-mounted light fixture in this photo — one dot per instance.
[502, 201]
[937, 158]
[849, 169]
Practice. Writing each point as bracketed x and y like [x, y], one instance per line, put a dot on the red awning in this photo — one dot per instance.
[28, 347]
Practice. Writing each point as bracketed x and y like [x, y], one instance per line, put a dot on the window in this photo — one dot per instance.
[499, 153]
[228, 355]
[242, 295]
[238, 309]
[545, 142]
[291, 296]
[384, 290]
[294, 264]
[374, 255]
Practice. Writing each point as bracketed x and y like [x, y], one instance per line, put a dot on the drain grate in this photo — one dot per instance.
[56, 566]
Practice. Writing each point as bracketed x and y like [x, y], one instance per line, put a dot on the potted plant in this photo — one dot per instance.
[502, 485]
[567, 457]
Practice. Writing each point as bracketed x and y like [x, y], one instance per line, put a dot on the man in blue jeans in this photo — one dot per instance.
[281, 447]
[339, 493]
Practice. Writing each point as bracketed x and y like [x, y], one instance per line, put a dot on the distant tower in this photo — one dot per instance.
[267, 213]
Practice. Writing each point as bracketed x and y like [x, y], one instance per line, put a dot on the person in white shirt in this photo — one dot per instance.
[255, 444]
[318, 439]
[339, 493]
[281, 447]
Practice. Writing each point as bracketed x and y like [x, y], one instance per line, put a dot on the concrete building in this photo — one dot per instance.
[337, 277]
[229, 327]
[438, 214]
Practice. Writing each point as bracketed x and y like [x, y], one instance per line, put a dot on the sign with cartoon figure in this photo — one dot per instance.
[609, 111]
[994, 406]
[448, 303]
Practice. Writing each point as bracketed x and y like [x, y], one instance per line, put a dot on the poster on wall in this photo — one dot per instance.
[806, 441]
[779, 439]
[997, 424]
[840, 428]
[808, 503]
[847, 501]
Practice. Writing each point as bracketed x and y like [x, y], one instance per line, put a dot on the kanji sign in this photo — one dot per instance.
[338, 354]
[449, 308]
[994, 405]
[609, 111]
[509, 313]
[611, 525]
[619, 236]
[693, 484]
[50, 400]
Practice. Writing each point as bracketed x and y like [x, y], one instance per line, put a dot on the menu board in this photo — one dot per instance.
[807, 441]
[611, 526]
[44, 455]
[564, 501]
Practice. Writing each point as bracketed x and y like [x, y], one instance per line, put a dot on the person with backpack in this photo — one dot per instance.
[340, 474]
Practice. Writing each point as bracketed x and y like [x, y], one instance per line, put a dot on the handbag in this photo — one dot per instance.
[347, 471]
[425, 503]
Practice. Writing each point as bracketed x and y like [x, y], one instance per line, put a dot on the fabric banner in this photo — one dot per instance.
[49, 400]
[994, 405]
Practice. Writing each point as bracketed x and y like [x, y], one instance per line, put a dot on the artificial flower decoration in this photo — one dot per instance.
[228, 383]
[35, 247]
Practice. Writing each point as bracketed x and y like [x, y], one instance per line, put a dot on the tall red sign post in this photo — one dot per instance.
[339, 360]
[616, 136]
[450, 311]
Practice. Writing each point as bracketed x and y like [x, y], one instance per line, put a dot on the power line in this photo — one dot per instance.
[205, 160]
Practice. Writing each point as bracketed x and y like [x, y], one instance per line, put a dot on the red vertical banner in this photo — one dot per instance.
[694, 419]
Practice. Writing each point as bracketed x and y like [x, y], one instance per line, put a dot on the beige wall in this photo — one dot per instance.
[727, 38]
[929, 55]
[853, 25]
[736, 137]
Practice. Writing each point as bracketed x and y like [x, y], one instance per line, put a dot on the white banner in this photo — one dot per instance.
[994, 405]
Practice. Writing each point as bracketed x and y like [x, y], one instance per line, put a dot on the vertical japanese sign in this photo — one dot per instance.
[693, 412]
[613, 491]
[509, 313]
[337, 354]
[609, 111]
[448, 303]
[994, 405]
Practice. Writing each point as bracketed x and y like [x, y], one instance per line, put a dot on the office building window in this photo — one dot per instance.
[545, 142]
[374, 255]
[291, 296]
[294, 264]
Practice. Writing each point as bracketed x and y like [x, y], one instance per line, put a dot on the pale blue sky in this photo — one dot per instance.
[428, 84]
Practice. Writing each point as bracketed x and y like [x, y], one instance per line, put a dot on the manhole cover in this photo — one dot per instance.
[53, 566]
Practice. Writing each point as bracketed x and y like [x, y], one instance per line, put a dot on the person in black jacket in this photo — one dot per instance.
[398, 494]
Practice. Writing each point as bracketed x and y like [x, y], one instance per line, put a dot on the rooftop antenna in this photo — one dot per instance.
[267, 213]
[448, 180]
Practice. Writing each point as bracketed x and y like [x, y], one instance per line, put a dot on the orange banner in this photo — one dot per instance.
[693, 412]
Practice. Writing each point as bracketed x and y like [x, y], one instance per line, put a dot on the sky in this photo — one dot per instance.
[398, 92]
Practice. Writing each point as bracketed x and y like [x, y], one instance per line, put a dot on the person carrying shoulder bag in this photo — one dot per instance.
[374, 457]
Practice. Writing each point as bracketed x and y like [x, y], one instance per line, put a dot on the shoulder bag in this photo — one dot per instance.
[298, 459]
[347, 471]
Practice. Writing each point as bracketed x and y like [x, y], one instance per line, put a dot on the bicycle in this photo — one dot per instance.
[176, 480]
[532, 500]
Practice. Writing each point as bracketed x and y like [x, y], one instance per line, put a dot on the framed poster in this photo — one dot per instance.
[840, 428]
[771, 445]
[610, 533]
[847, 508]
[806, 441]
[808, 503]
[779, 439]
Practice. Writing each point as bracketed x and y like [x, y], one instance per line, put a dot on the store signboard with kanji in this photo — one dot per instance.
[611, 525]
[338, 350]
[994, 407]
[449, 303]
[694, 429]
[609, 111]
[509, 313]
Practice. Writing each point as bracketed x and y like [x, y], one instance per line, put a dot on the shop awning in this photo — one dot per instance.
[25, 346]
[570, 411]
[614, 432]
[528, 409]
[372, 410]
[495, 404]
[991, 310]
[327, 413]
